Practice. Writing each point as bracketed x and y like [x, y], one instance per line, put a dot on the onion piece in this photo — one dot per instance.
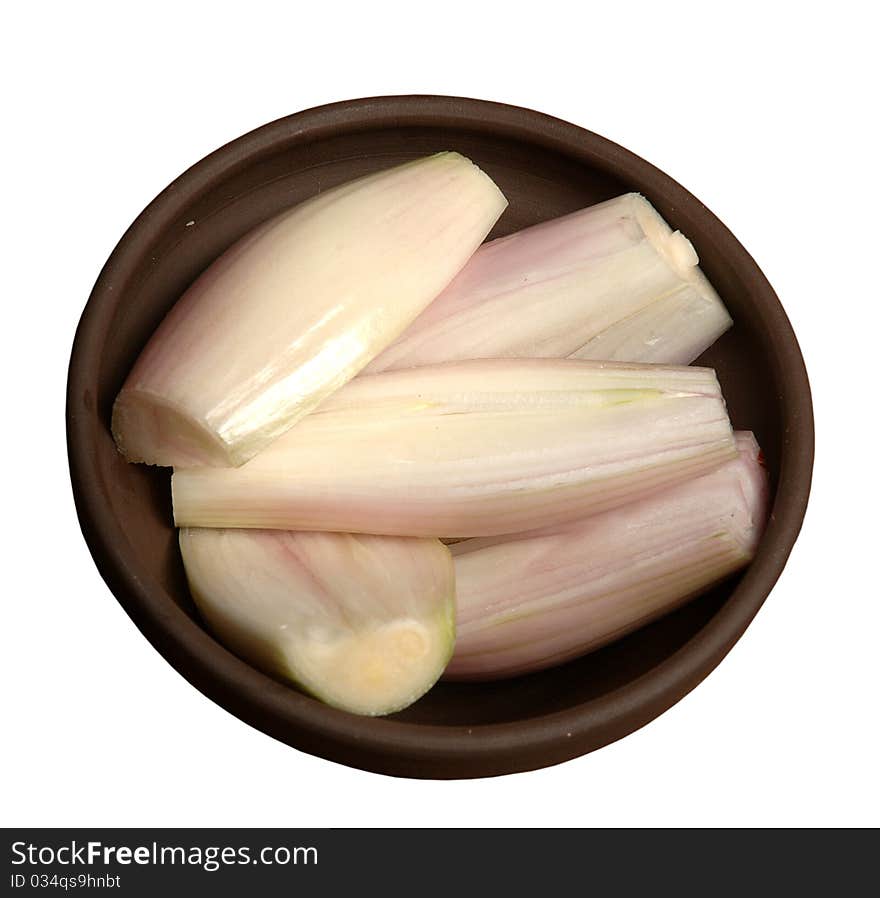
[471, 449]
[533, 600]
[610, 281]
[296, 308]
[364, 623]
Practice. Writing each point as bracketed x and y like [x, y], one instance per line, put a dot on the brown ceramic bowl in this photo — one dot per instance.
[546, 168]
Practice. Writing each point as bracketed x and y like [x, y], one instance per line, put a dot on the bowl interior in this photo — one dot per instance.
[541, 181]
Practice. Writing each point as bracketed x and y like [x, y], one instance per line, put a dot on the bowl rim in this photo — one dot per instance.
[392, 746]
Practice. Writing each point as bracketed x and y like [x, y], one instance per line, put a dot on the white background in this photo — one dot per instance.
[767, 116]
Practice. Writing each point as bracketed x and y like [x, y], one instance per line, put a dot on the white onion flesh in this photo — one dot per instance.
[472, 449]
[612, 281]
[365, 623]
[296, 308]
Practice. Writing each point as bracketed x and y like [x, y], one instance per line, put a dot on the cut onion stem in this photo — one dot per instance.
[364, 623]
[472, 449]
[533, 600]
[612, 281]
[296, 308]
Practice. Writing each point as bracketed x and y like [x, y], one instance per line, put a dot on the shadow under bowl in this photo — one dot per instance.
[546, 168]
